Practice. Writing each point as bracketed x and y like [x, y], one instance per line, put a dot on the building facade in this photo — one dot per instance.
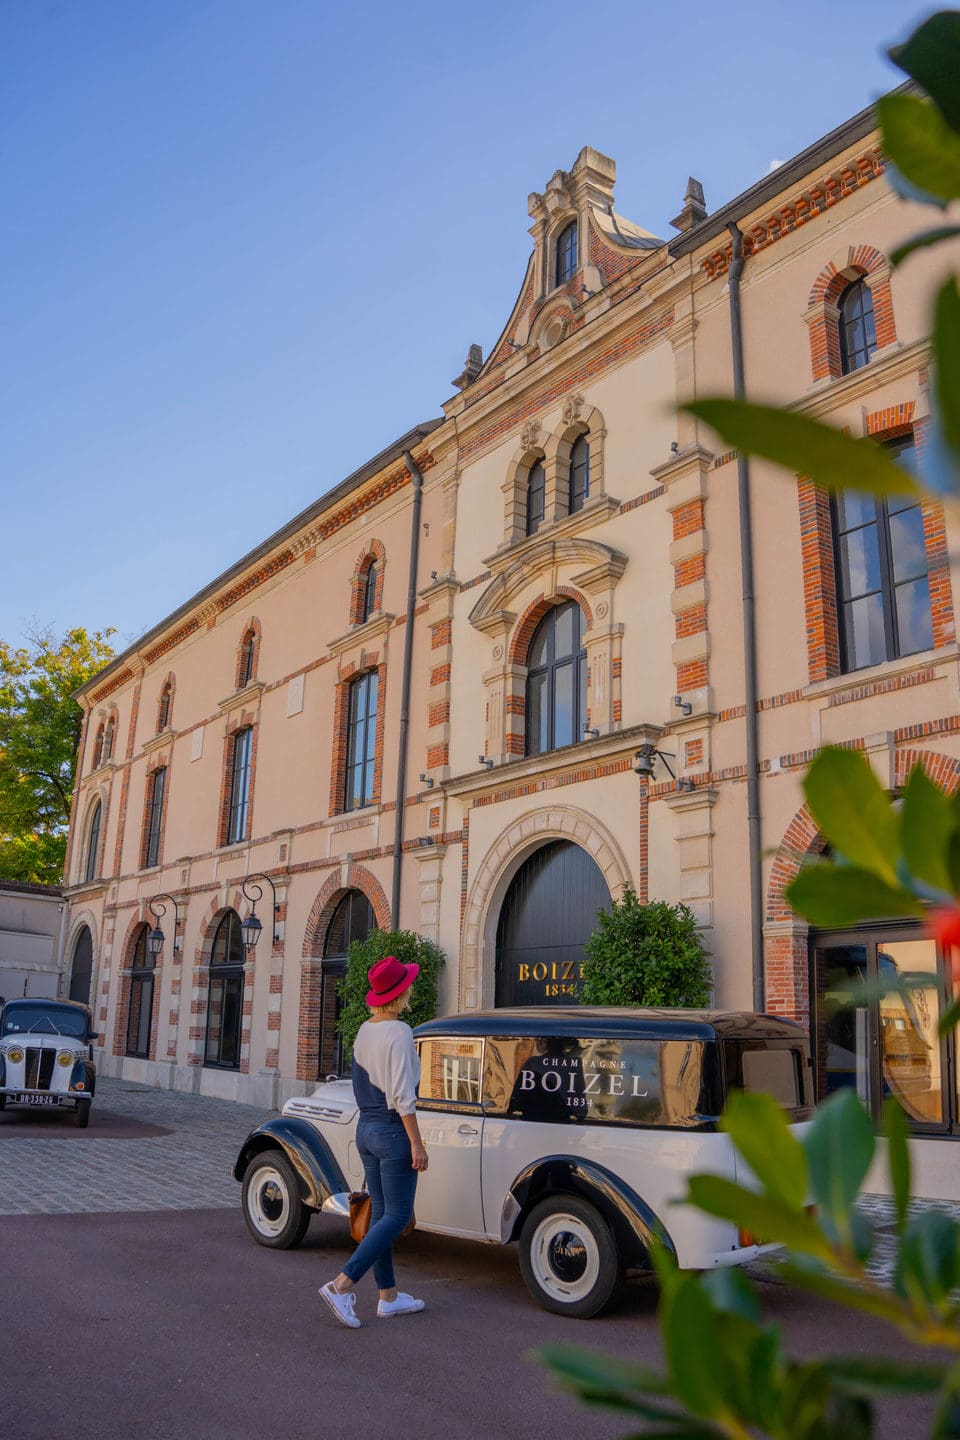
[500, 673]
[32, 921]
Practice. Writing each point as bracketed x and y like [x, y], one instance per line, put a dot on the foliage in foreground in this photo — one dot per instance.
[645, 955]
[407, 946]
[39, 736]
[727, 1374]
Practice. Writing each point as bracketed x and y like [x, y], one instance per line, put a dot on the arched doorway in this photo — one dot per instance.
[140, 1011]
[547, 915]
[81, 969]
[353, 919]
[225, 995]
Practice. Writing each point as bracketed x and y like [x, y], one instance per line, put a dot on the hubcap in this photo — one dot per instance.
[269, 1202]
[565, 1257]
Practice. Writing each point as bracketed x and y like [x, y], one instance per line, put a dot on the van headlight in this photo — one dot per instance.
[15, 1055]
[65, 1058]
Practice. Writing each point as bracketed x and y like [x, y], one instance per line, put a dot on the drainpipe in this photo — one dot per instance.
[417, 479]
[749, 640]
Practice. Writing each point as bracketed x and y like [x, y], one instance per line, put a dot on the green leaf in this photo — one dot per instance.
[881, 1303]
[946, 361]
[928, 1266]
[921, 241]
[839, 1144]
[805, 446]
[898, 1157]
[758, 1127]
[927, 824]
[932, 57]
[765, 1216]
[832, 895]
[730, 1290]
[921, 144]
[949, 1018]
[872, 1379]
[853, 810]
[690, 1344]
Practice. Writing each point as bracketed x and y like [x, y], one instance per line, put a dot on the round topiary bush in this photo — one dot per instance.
[407, 946]
[645, 955]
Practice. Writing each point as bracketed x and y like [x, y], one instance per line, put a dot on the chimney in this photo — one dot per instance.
[694, 207]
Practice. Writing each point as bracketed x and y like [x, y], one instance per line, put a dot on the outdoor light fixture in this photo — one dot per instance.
[594, 734]
[485, 761]
[427, 780]
[645, 764]
[683, 705]
[251, 928]
[155, 938]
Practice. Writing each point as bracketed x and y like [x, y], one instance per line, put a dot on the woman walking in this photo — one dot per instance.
[386, 1073]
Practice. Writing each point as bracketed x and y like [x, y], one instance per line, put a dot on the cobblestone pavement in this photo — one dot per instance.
[189, 1169]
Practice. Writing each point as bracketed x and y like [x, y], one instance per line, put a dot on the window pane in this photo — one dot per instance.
[539, 652]
[579, 473]
[536, 494]
[844, 1043]
[907, 548]
[909, 1016]
[564, 716]
[854, 507]
[864, 640]
[450, 1070]
[566, 631]
[538, 739]
[860, 562]
[914, 622]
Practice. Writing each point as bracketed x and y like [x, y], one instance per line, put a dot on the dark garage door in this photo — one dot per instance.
[549, 911]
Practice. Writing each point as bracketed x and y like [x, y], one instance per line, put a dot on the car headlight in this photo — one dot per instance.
[65, 1058]
[15, 1055]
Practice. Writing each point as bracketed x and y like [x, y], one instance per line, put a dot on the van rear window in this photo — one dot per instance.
[774, 1072]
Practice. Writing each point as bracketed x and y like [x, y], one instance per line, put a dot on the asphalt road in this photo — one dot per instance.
[174, 1325]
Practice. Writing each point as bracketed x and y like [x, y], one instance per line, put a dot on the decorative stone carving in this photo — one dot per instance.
[530, 435]
[573, 409]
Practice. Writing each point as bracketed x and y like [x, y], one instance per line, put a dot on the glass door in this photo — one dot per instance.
[878, 995]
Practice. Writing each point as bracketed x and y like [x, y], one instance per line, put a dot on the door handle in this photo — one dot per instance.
[467, 1130]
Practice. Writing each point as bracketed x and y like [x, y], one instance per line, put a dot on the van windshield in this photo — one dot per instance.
[41, 1019]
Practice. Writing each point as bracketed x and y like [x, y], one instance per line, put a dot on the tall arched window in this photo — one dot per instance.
[358, 785]
[163, 709]
[238, 812]
[225, 995]
[579, 473]
[154, 817]
[566, 254]
[92, 866]
[368, 593]
[81, 971]
[98, 747]
[247, 656]
[858, 331]
[353, 919]
[140, 1013]
[536, 497]
[556, 681]
[108, 736]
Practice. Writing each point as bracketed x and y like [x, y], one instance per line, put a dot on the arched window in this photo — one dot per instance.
[361, 742]
[225, 995]
[353, 919]
[536, 497]
[579, 473]
[140, 1012]
[858, 331]
[98, 748]
[368, 592]
[163, 709]
[247, 657]
[108, 735]
[566, 254]
[556, 681]
[81, 970]
[154, 817]
[91, 869]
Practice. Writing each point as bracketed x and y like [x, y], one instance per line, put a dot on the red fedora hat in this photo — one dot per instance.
[388, 979]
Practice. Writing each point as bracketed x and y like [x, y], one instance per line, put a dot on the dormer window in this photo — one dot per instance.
[566, 252]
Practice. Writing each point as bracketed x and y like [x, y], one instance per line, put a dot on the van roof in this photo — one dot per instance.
[621, 1022]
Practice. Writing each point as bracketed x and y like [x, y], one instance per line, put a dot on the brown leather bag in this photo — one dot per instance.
[360, 1206]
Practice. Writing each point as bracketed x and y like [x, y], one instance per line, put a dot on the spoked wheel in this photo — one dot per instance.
[272, 1208]
[568, 1257]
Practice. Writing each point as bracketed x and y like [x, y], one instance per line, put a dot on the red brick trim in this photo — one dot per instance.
[244, 721]
[165, 710]
[373, 553]
[158, 764]
[825, 294]
[341, 718]
[819, 581]
[251, 634]
[125, 992]
[534, 613]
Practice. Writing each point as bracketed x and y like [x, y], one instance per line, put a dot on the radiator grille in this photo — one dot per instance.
[39, 1071]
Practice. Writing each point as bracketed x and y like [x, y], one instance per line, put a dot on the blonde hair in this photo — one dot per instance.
[393, 1007]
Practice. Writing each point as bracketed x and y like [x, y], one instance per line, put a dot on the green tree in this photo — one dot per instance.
[407, 946]
[39, 737]
[645, 955]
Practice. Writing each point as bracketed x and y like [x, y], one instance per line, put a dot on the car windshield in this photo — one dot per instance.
[40, 1019]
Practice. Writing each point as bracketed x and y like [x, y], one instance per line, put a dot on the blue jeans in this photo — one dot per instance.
[392, 1183]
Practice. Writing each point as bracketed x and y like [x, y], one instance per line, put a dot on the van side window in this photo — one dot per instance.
[773, 1070]
[450, 1070]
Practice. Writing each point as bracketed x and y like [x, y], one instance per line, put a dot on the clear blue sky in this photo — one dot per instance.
[246, 243]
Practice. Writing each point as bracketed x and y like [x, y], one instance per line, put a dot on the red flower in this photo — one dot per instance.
[945, 925]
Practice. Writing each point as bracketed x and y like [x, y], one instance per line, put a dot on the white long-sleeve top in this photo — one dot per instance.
[386, 1068]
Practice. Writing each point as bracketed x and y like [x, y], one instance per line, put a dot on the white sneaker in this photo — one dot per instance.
[343, 1306]
[403, 1305]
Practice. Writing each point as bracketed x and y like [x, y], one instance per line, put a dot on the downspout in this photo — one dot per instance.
[749, 640]
[417, 479]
